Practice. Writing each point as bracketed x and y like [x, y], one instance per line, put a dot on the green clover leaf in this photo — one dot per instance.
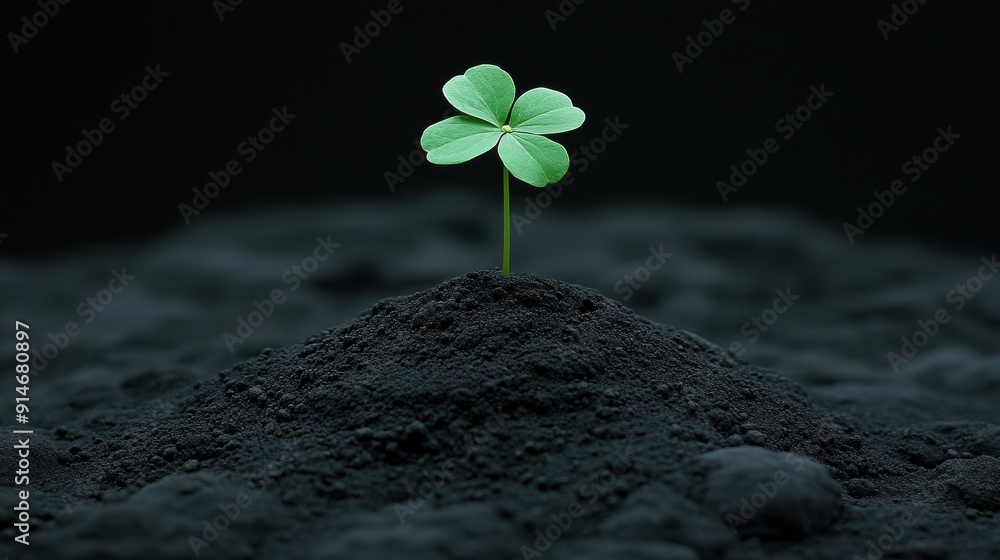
[492, 117]
[545, 111]
[538, 160]
[485, 93]
[459, 139]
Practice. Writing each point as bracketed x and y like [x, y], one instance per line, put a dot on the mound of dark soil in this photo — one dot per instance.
[504, 417]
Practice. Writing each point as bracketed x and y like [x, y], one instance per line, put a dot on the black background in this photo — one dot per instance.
[614, 59]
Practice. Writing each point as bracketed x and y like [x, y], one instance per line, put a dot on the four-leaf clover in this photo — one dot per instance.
[485, 94]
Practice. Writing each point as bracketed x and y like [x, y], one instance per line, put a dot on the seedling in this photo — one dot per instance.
[485, 93]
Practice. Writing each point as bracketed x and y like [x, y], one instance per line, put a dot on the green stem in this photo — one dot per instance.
[506, 221]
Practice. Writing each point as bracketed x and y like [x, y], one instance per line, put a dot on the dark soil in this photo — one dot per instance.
[497, 417]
